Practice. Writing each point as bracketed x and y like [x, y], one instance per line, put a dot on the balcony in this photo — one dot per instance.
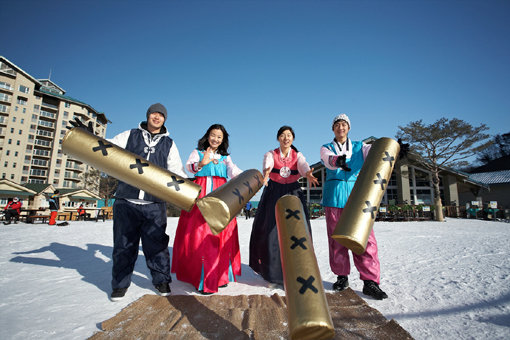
[48, 114]
[44, 133]
[55, 107]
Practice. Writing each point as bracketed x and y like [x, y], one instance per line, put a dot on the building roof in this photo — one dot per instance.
[493, 177]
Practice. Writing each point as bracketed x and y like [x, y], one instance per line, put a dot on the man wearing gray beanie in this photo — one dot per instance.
[139, 215]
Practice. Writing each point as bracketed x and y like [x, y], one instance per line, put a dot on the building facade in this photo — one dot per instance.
[34, 114]
[410, 183]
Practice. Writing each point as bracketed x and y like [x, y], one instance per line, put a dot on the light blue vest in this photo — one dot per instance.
[211, 169]
[339, 183]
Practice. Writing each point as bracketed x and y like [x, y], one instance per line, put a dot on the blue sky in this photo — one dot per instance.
[254, 66]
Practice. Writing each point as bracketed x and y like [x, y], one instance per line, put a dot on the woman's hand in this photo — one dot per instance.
[207, 159]
[266, 175]
[311, 178]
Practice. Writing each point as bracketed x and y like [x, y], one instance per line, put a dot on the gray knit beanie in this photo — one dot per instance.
[157, 108]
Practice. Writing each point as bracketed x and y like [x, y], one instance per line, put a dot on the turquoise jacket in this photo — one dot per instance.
[339, 183]
[211, 169]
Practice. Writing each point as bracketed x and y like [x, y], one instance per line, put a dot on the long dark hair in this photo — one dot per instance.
[203, 143]
[285, 128]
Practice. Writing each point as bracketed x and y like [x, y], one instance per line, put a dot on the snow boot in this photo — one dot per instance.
[341, 283]
[372, 289]
[117, 294]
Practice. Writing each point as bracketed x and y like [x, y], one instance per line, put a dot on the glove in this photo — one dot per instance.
[79, 124]
[404, 148]
[340, 162]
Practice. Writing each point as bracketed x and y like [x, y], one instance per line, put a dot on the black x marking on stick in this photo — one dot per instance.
[388, 158]
[292, 213]
[298, 242]
[102, 146]
[307, 284]
[175, 183]
[238, 194]
[139, 165]
[250, 190]
[258, 180]
[370, 209]
[380, 181]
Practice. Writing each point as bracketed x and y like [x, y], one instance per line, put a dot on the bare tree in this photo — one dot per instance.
[107, 187]
[444, 143]
[90, 180]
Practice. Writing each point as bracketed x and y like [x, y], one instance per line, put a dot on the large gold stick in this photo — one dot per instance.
[223, 204]
[357, 219]
[307, 306]
[130, 168]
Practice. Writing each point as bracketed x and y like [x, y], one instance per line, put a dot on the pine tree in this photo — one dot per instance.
[444, 143]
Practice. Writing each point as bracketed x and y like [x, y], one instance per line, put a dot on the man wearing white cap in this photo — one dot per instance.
[343, 160]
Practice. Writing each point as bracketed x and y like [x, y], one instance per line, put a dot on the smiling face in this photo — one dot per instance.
[341, 129]
[155, 121]
[286, 139]
[215, 138]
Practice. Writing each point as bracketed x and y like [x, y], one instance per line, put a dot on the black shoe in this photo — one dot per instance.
[7, 223]
[341, 283]
[118, 294]
[163, 289]
[204, 293]
[224, 286]
[372, 289]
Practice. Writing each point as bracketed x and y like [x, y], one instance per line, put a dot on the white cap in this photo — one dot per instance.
[15, 199]
[342, 116]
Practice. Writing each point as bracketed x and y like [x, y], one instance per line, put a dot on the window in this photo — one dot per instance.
[14, 164]
[22, 101]
[37, 108]
[66, 104]
[22, 120]
[24, 89]
[9, 141]
[66, 114]
[20, 132]
[5, 85]
[24, 110]
[16, 154]
[6, 164]
[3, 175]
[14, 119]
[17, 142]
[8, 152]
[12, 130]
[12, 176]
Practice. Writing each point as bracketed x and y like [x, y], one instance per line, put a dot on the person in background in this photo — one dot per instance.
[12, 210]
[82, 213]
[247, 210]
[282, 168]
[138, 215]
[343, 160]
[205, 260]
[54, 202]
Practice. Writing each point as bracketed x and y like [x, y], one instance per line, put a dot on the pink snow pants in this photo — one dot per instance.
[367, 263]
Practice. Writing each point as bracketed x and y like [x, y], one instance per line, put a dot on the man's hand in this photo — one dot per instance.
[340, 162]
[79, 124]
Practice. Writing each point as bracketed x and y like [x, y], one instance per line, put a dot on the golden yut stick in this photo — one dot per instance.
[220, 206]
[307, 307]
[357, 219]
[130, 168]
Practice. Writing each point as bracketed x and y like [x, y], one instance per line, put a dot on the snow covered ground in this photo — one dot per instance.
[447, 280]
